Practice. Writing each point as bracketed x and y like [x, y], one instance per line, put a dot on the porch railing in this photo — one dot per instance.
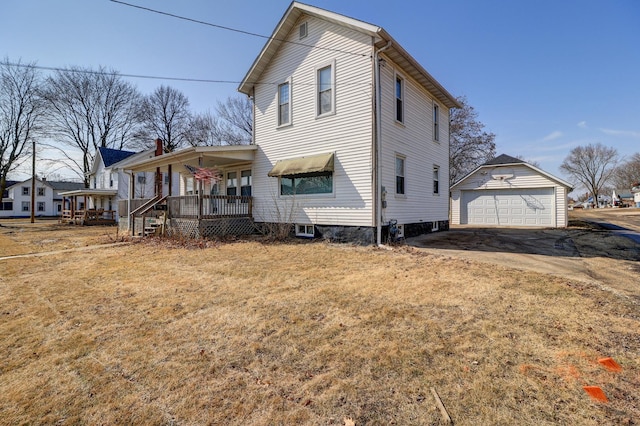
[211, 207]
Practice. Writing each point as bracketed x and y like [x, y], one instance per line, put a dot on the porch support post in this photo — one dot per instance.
[200, 191]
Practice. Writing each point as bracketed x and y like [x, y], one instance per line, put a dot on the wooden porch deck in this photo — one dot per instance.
[89, 217]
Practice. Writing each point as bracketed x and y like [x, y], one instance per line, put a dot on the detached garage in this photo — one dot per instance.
[507, 191]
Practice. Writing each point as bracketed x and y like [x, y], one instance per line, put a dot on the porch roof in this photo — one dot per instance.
[198, 156]
[89, 192]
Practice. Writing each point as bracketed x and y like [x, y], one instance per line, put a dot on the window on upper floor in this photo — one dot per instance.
[26, 190]
[436, 179]
[436, 122]
[399, 99]
[41, 191]
[400, 175]
[326, 90]
[284, 104]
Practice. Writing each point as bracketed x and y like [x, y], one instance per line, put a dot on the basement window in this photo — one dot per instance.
[307, 231]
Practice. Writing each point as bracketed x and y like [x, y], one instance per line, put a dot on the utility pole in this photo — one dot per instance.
[33, 182]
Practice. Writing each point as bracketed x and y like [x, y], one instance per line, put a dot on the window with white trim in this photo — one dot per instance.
[26, 206]
[436, 122]
[40, 206]
[26, 190]
[307, 184]
[41, 191]
[436, 180]
[305, 231]
[245, 185]
[399, 99]
[284, 104]
[326, 90]
[400, 175]
[232, 185]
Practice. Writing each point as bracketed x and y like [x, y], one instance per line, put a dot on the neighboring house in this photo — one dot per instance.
[16, 200]
[622, 198]
[109, 183]
[507, 191]
[636, 194]
[350, 133]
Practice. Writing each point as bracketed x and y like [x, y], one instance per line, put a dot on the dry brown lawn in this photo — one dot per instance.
[246, 333]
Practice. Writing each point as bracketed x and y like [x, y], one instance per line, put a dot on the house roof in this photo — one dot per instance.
[504, 159]
[65, 186]
[394, 52]
[111, 156]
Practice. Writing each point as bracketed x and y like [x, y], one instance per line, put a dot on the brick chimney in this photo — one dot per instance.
[159, 150]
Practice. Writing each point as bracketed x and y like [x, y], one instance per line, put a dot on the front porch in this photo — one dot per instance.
[192, 216]
[215, 193]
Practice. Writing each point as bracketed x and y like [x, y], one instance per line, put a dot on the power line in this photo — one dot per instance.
[115, 73]
[153, 77]
[222, 27]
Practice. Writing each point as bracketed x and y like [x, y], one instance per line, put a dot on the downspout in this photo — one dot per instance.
[378, 143]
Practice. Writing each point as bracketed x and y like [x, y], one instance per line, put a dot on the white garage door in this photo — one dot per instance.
[509, 207]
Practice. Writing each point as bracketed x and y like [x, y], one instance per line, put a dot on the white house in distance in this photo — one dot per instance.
[350, 132]
[507, 191]
[16, 199]
[109, 183]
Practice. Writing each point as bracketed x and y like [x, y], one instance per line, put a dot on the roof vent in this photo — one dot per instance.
[303, 30]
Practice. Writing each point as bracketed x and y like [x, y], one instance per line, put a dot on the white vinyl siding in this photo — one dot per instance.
[520, 178]
[414, 140]
[347, 131]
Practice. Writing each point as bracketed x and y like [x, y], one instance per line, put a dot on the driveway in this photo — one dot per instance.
[584, 252]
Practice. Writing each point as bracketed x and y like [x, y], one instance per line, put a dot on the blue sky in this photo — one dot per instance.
[544, 76]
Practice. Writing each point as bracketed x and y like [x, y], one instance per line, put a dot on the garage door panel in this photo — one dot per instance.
[525, 207]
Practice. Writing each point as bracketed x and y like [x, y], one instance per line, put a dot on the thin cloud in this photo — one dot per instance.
[623, 133]
[552, 136]
[582, 124]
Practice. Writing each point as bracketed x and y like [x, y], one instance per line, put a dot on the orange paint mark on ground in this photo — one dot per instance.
[610, 364]
[595, 393]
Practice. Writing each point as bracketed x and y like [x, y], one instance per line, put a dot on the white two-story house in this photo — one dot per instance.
[350, 133]
[17, 197]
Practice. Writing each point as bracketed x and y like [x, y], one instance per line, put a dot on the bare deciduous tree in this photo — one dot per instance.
[592, 166]
[627, 174]
[233, 124]
[470, 145]
[165, 115]
[88, 109]
[21, 111]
